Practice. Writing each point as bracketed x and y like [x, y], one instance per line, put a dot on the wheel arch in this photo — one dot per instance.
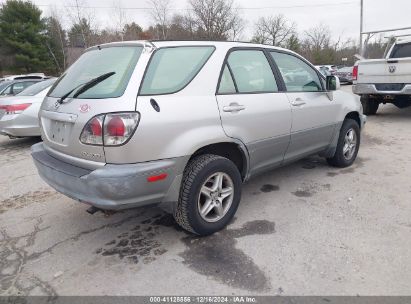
[234, 151]
[354, 115]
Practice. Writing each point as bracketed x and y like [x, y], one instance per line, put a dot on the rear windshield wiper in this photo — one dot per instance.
[86, 86]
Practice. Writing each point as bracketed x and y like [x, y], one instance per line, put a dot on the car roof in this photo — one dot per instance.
[174, 43]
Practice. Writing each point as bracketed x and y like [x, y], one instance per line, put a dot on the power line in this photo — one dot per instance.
[303, 5]
[240, 8]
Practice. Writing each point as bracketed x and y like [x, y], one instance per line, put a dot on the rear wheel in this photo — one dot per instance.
[348, 145]
[210, 194]
[370, 106]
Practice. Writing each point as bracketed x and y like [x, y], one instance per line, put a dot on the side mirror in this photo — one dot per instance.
[333, 83]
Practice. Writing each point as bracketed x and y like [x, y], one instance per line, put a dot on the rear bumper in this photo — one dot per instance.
[345, 78]
[112, 187]
[19, 125]
[368, 88]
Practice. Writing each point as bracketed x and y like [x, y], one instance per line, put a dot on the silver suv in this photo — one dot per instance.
[137, 123]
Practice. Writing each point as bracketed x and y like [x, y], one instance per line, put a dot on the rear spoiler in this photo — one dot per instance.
[147, 45]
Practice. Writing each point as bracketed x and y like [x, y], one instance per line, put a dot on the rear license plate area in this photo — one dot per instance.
[59, 132]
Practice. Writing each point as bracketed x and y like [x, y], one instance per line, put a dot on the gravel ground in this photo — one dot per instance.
[304, 229]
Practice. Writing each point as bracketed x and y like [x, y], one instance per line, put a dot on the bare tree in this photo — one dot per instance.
[215, 19]
[160, 12]
[319, 37]
[274, 30]
[237, 28]
[120, 18]
[181, 28]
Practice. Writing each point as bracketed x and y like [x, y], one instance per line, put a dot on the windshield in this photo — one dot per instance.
[401, 50]
[37, 88]
[94, 63]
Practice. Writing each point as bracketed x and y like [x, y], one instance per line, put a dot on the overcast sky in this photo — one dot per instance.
[342, 16]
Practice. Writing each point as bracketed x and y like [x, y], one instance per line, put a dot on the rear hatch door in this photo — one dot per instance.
[63, 122]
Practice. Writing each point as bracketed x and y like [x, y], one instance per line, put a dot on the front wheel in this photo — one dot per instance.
[347, 146]
[210, 194]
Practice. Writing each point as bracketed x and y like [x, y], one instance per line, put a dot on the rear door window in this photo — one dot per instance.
[37, 88]
[20, 86]
[171, 69]
[252, 72]
[401, 51]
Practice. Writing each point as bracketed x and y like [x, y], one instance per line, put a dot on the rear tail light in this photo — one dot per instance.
[92, 133]
[110, 129]
[355, 72]
[119, 127]
[15, 109]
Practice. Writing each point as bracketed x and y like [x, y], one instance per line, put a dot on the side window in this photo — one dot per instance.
[298, 75]
[252, 72]
[171, 69]
[401, 51]
[227, 85]
[18, 87]
[27, 84]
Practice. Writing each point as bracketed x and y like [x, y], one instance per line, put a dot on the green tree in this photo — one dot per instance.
[22, 33]
[81, 34]
[293, 43]
[132, 31]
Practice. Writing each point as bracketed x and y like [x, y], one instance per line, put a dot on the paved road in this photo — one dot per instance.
[305, 229]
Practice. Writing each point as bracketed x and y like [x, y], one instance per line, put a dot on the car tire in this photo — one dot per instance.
[348, 145]
[369, 105]
[202, 191]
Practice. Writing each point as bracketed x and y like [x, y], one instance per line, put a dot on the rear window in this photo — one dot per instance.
[121, 60]
[37, 88]
[171, 69]
[4, 85]
[401, 51]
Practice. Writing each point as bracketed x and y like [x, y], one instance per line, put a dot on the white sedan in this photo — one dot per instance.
[19, 114]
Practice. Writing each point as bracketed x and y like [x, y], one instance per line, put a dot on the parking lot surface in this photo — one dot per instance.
[304, 229]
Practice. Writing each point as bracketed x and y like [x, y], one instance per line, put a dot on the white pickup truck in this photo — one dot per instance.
[385, 80]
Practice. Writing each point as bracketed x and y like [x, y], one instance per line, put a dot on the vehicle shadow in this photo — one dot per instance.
[18, 143]
[389, 111]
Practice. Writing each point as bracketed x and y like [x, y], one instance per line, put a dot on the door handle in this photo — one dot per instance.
[233, 107]
[298, 102]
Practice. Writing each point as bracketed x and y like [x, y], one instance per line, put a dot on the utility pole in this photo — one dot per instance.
[361, 25]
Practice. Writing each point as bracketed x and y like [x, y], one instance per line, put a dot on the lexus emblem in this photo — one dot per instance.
[84, 108]
[392, 68]
[56, 105]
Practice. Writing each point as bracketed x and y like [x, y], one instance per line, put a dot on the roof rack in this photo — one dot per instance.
[397, 36]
